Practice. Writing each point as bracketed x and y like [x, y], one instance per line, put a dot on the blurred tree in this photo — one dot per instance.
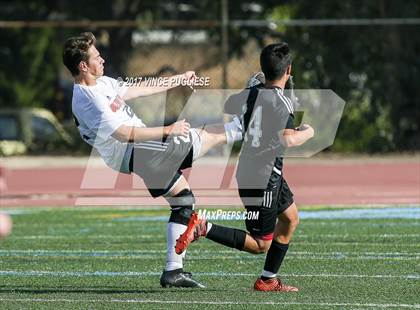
[29, 59]
[376, 69]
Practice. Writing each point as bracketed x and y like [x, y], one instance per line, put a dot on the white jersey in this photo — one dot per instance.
[99, 110]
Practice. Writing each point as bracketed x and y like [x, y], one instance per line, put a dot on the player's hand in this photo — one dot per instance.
[179, 128]
[305, 127]
[189, 75]
[188, 79]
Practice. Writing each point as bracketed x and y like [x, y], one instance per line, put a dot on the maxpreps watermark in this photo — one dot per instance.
[164, 81]
[225, 215]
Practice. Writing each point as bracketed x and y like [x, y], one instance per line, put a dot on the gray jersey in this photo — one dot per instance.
[264, 113]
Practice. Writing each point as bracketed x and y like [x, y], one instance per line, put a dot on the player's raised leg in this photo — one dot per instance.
[227, 236]
[214, 135]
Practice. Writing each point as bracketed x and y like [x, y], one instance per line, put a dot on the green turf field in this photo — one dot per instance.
[112, 258]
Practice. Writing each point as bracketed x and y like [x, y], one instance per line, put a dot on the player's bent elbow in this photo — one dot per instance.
[122, 134]
[289, 141]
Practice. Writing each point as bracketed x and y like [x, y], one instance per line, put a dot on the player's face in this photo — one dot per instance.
[95, 63]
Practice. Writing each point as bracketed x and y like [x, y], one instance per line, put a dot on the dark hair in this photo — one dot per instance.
[274, 60]
[76, 50]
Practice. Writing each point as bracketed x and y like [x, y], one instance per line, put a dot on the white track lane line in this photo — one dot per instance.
[202, 302]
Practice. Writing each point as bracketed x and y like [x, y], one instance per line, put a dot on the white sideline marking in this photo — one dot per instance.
[210, 274]
[128, 252]
[370, 235]
[300, 238]
[225, 254]
[31, 237]
[151, 257]
[350, 243]
[151, 236]
[202, 302]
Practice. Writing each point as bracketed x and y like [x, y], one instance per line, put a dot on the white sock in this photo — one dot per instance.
[173, 260]
[233, 130]
[268, 274]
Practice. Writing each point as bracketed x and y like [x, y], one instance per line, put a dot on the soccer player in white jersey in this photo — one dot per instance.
[156, 154]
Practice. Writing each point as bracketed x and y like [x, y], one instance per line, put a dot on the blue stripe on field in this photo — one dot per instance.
[372, 213]
[368, 213]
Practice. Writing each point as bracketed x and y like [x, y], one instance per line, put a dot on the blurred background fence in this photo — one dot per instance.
[365, 51]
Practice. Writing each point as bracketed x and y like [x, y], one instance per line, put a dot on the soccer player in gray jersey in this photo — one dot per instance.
[156, 154]
[267, 123]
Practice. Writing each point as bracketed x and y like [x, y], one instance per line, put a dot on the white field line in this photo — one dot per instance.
[151, 221]
[350, 243]
[139, 237]
[32, 237]
[203, 302]
[30, 273]
[155, 254]
[351, 235]
[250, 258]
[134, 252]
[298, 238]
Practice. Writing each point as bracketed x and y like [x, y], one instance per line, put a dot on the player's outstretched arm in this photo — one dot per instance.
[298, 136]
[137, 134]
[143, 90]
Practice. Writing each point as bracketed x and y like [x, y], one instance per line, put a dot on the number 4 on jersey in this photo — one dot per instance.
[254, 128]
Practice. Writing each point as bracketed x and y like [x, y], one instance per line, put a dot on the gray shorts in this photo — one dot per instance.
[160, 163]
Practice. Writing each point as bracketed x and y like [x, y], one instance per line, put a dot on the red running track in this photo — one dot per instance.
[313, 184]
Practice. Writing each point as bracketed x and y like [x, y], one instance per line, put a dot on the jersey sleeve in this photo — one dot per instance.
[99, 118]
[284, 109]
[118, 85]
[234, 104]
[284, 119]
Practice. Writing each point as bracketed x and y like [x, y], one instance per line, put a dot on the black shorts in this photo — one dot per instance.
[271, 202]
[159, 163]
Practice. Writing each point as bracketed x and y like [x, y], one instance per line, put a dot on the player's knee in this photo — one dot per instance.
[290, 221]
[263, 246]
[291, 224]
[185, 198]
[294, 222]
[182, 206]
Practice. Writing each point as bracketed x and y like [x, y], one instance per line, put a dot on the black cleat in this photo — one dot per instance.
[178, 278]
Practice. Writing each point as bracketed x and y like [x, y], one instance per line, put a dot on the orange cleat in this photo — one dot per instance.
[273, 285]
[196, 228]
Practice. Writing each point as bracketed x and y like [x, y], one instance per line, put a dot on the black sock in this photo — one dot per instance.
[231, 237]
[275, 256]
